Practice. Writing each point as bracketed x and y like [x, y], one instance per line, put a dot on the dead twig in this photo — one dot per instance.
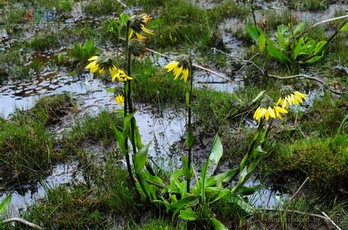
[306, 77]
[322, 22]
[295, 211]
[20, 220]
[332, 222]
[298, 190]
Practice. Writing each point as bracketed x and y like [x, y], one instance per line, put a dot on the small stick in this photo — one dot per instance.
[33, 226]
[330, 220]
[295, 211]
[298, 190]
[322, 22]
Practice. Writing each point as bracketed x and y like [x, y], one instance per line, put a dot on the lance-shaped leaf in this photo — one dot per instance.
[5, 203]
[140, 159]
[121, 140]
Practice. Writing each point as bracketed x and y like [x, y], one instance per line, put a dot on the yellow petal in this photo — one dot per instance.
[91, 65]
[271, 112]
[185, 73]
[267, 115]
[177, 72]
[262, 112]
[131, 32]
[94, 58]
[257, 114]
[281, 110]
[140, 37]
[147, 31]
[119, 100]
[302, 95]
[101, 71]
[171, 65]
[146, 18]
[113, 72]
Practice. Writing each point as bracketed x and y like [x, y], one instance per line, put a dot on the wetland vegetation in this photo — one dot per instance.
[165, 114]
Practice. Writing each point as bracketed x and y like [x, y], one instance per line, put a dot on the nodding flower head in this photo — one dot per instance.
[137, 25]
[268, 109]
[180, 67]
[290, 97]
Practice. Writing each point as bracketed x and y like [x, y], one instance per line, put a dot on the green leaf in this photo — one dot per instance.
[217, 224]
[188, 214]
[262, 42]
[299, 28]
[155, 180]
[243, 190]
[184, 203]
[258, 97]
[237, 200]
[121, 140]
[140, 159]
[274, 52]
[220, 192]
[224, 177]
[110, 90]
[138, 141]
[254, 32]
[216, 152]
[189, 139]
[5, 203]
[127, 124]
[344, 28]
[187, 172]
[89, 47]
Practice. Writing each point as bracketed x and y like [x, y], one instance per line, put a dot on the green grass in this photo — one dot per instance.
[103, 7]
[323, 160]
[92, 129]
[100, 206]
[26, 148]
[309, 5]
[45, 42]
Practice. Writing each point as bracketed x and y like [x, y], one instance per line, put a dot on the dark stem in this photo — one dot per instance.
[129, 98]
[125, 111]
[129, 169]
[190, 120]
[253, 12]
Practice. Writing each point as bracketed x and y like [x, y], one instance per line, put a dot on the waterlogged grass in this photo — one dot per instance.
[92, 129]
[26, 148]
[108, 204]
[183, 23]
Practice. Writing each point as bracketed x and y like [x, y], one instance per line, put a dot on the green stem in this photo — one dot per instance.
[190, 120]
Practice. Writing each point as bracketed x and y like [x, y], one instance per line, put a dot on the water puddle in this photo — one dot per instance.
[26, 196]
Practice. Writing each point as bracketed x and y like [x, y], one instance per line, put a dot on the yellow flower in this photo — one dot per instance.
[119, 99]
[266, 113]
[137, 24]
[113, 72]
[93, 66]
[178, 69]
[295, 98]
[146, 18]
[121, 76]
